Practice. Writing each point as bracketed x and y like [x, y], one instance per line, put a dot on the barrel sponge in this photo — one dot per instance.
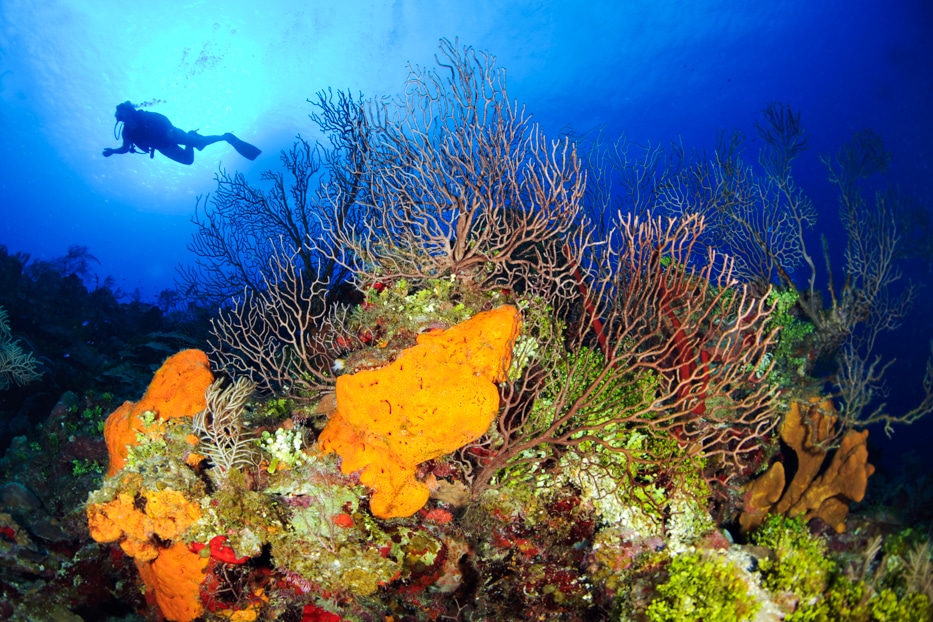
[176, 390]
[433, 399]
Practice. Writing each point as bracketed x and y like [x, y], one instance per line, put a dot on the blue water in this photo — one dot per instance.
[654, 70]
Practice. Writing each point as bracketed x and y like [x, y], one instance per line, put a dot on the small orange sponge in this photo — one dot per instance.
[435, 398]
[166, 514]
[176, 390]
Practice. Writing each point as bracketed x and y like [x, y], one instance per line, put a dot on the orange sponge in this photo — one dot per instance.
[176, 390]
[821, 487]
[435, 398]
[141, 524]
[133, 521]
[174, 579]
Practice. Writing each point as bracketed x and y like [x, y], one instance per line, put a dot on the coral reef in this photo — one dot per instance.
[435, 398]
[464, 400]
[816, 490]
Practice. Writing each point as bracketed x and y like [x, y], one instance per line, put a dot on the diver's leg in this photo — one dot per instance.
[248, 151]
[175, 152]
[199, 142]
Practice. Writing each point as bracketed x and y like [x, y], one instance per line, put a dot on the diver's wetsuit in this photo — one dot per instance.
[152, 131]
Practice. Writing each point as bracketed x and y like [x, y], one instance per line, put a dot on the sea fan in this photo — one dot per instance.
[16, 366]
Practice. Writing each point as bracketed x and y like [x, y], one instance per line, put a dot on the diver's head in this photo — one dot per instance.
[124, 111]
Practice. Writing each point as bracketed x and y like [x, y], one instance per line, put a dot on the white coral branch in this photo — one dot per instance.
[224, 440]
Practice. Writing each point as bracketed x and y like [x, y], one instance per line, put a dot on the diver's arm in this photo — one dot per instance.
[128, 142]
[124, 149]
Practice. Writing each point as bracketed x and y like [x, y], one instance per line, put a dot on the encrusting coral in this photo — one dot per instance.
[176, 390]
[435, 398]
[811, 494]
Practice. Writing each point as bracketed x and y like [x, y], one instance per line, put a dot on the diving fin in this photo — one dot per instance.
[248, 151]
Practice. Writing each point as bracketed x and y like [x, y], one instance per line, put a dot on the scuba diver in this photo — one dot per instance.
[148, 132]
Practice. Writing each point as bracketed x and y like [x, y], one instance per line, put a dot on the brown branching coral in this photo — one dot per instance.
[238, 223]
[284, 336]
[451, 179]
[760, 219]
[763, 217]
[676, 377]
[459, 181]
